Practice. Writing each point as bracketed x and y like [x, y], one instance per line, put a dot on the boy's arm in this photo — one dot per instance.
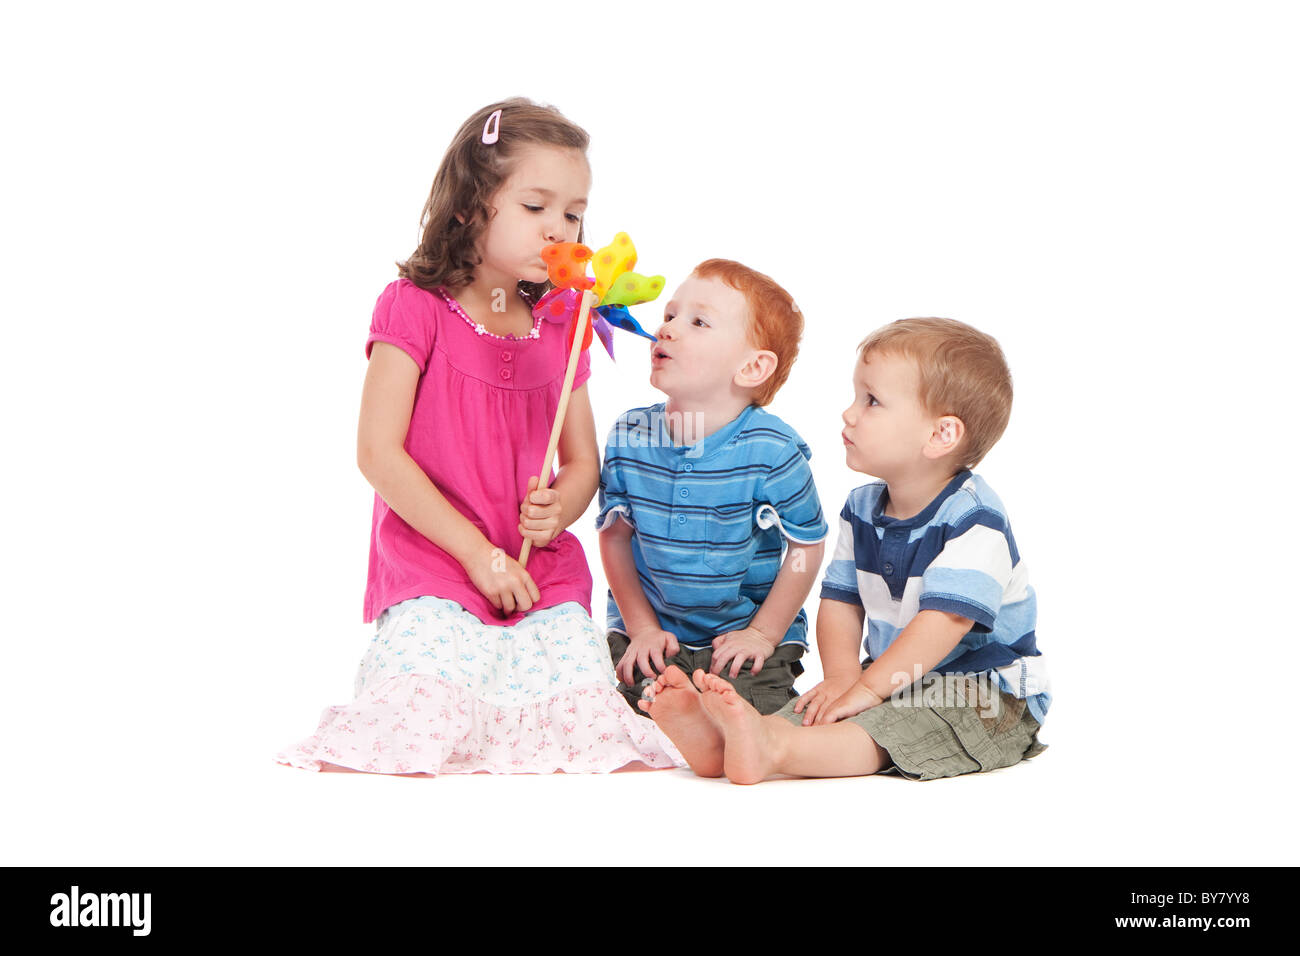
[768, 626]
[648, 642]
[621, 574]
[839, 638]
[839, 642]
[927, 640]
[787, 499]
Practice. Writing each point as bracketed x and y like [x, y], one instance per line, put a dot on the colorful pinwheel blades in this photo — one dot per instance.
[616, 287]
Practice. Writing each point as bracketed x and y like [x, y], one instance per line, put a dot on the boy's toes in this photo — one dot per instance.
[672, 676]
[718, 685]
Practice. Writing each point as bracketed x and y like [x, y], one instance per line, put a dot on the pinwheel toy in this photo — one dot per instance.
[575, 298]
[615, 287]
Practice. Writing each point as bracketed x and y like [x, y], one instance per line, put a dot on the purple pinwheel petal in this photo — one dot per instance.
[606, 334]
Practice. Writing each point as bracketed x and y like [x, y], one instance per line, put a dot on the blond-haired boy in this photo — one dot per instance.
[953, 682]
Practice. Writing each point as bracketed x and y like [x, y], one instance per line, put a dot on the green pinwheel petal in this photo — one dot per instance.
[631, 288]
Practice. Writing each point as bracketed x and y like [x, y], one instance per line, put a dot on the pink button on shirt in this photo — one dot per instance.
[482, 416]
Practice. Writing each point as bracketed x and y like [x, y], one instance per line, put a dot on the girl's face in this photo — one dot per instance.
[542, 202]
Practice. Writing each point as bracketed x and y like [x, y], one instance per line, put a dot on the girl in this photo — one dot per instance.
[479, 663]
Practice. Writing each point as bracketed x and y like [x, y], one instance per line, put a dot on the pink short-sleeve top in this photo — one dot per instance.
[482, 416]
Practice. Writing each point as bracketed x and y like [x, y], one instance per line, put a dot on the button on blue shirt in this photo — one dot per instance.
[750, 490]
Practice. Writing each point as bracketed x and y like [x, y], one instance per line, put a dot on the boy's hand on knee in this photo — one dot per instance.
[853, 702]
[646, 650]
[816, 703]
[737, 647]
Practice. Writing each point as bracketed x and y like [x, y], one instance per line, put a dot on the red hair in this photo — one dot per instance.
[775, 322]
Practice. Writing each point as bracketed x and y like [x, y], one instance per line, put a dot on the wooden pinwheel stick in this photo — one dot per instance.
[579, 333]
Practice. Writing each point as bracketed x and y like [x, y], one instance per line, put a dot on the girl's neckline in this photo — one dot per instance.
[480, 329]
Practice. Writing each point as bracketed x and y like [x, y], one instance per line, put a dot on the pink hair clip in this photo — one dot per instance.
[492, 128]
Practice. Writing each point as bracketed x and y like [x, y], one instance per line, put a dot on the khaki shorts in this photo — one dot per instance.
[943, 728]
[768, 690]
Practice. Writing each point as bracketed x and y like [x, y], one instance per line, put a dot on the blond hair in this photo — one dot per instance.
[963, 373]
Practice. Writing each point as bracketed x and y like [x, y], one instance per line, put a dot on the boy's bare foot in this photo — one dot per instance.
[676, 709]
[747, 747]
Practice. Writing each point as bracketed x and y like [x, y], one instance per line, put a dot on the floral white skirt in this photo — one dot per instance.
[439, 691]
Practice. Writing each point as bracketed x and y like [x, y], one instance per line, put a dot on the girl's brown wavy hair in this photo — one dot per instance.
[469, 176]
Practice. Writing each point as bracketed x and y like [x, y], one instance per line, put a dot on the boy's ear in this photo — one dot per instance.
[946, 437]
[760, 367]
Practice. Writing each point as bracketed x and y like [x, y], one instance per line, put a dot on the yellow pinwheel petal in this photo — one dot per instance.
[611, 262]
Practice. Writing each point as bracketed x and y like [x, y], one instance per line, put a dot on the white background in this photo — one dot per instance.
[201, 204]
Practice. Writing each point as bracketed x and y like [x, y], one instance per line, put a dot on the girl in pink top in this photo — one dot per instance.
[477, 662]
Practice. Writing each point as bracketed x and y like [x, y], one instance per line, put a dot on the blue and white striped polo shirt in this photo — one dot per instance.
[710, 518]
[957, 555]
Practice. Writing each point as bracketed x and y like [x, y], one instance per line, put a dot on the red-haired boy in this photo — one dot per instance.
[711, 530]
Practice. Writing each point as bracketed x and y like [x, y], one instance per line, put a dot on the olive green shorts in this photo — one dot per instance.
[768, 690]
[947, 727]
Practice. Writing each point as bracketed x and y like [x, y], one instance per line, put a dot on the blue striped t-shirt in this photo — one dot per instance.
[709, 518]
[957, 555]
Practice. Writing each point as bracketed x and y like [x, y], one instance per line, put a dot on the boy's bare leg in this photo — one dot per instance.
[755, 747]
[676, 709]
